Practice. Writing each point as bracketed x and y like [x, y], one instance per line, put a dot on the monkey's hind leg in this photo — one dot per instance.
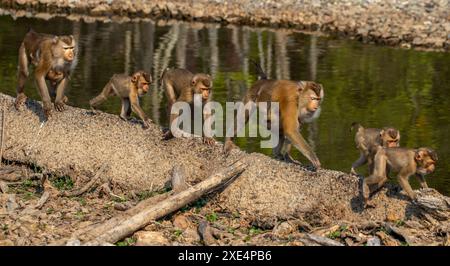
[22, 76]
[361, 160]
[102, 97]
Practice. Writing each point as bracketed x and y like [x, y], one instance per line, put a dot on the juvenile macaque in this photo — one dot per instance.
[299, 103]
[54, 57]
[180, 85]
[129, 89]
[367, 141]
[403, 161]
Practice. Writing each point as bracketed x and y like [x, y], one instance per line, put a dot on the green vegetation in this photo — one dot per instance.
[129, 241]
[63, 183]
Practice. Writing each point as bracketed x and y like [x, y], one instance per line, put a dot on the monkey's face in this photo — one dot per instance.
[142, 81]
[66, 46]
[426, 160]
[202, 84]
[390, 137]
[311, 97]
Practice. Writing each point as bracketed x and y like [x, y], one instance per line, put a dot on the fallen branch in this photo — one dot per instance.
[122, 226]
[2, 134]
[87, 186]
[323, 241]
[42, 200]
[3, 187]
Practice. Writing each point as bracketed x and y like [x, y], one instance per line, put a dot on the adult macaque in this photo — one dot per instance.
[367, 141]
[180, 85]
[54, 57]
[403, 161]
[129, 89]
[299, 103]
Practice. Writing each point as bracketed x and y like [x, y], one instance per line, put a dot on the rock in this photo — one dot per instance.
[373, 241]
[181, 222]
[191, 235]
[386, 239]
[11, 204]
[284, 229]
[150, 238]
[6, 242]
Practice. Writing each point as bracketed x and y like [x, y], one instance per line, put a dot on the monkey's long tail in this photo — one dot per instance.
[162, 76]
[355, 125]
[261, 74]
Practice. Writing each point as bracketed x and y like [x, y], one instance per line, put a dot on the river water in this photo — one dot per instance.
[376, 86]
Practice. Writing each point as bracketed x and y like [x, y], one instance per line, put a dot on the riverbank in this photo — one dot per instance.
[276, 201]
[407, 24]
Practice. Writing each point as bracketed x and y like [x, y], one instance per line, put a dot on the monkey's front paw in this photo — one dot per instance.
[228, 146]
[209, 141]
[20, 101]
[168, 135]
[146, 124]
[48, 110]
[369, 204]
[60, 106]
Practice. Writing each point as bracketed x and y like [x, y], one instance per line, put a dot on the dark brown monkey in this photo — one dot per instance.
[299, 103]
[129, 89]
[368, 139]
[403, 161]
[180, 85]
[54, 57]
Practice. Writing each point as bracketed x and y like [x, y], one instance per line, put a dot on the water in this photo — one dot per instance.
[376, 86]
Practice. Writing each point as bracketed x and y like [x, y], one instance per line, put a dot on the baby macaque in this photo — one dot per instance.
[180, 85]
[129, 89]
[403, 161]
[368, 139]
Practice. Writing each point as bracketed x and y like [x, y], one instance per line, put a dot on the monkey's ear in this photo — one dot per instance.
[134, 78]
[55, 39]
[418, 155]
[194, 80]
[381, 132]
[301, 85]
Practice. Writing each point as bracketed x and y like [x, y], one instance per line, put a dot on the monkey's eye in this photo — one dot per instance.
[315, 98]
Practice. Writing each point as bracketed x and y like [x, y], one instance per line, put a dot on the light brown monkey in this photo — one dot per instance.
[129, 89]
[403, 161]
[368, 139]
[54, 58]
[180, 85]
[299, 103]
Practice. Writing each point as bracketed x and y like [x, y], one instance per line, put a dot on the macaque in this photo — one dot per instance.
[180, 85]
[403, 161]
[367, 141]
[299, 103]
[54, 58]
[129, 89]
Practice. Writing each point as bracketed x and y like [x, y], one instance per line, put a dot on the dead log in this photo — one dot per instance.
[434, 204]
[178, 178]
[42, 200]
[90, 184]
[132, 220]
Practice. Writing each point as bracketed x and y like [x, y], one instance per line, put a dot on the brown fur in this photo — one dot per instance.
[405, 162]
[129, 89]
[54, 57]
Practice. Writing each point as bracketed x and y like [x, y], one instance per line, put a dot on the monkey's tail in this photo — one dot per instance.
[261, 74]
[355, 126]
[162, 76]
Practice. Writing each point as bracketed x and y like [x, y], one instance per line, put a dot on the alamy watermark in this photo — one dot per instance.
[263, 114]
